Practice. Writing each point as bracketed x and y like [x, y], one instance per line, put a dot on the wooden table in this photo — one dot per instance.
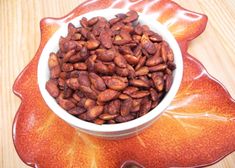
[20, 36]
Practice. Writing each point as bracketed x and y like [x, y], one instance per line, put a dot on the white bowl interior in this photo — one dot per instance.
[53, 46]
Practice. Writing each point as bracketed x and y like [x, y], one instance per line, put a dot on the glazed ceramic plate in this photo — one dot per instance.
[197, 129]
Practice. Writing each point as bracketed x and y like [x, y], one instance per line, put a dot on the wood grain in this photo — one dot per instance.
[20, 37]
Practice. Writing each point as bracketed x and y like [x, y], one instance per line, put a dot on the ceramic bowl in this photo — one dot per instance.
[110, 130]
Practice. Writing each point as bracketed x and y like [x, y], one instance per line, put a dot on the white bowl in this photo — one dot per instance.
[110, 130]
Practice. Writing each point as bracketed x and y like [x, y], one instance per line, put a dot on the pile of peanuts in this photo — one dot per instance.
[109, 72]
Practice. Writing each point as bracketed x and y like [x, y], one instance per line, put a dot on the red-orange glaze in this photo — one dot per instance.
[197, 129]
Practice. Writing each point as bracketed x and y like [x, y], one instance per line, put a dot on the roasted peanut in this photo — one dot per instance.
[123, 96]
[92, 44]
[92, 21]
[126, 107]
[66, 104]
[141, 62]
[169, 80]
[159, 67]
[121, 119]
[84, 79]
[88, 92]
[99, 121]
[94, 112]
[116, 84]
[154, 60]
[108, 116]
[68, 55]
[77, 111]
[131, 17]
[120, 61]
[148, 45]
[106, 40]
[139, 94]
[73, 83]
[80, 66]
[142, 71]
[158, 82]
[97, 81]
[130, 89]
[138, 83]
[153, 94]
[131, 59]
[107, 95]
[89, 103]
[145, 106]
[101, 68]
[122, 71]
[52, 88]
[105, 55]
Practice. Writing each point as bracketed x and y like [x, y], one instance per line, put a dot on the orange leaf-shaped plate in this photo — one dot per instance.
[197, 129]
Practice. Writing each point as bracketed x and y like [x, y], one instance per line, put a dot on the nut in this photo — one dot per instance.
[52, 88]
[107, 95]
[126, 107]
[116, 84]
[97, 81]
[94, 112]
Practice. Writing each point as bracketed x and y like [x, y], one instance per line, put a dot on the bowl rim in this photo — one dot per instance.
[43, 74]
